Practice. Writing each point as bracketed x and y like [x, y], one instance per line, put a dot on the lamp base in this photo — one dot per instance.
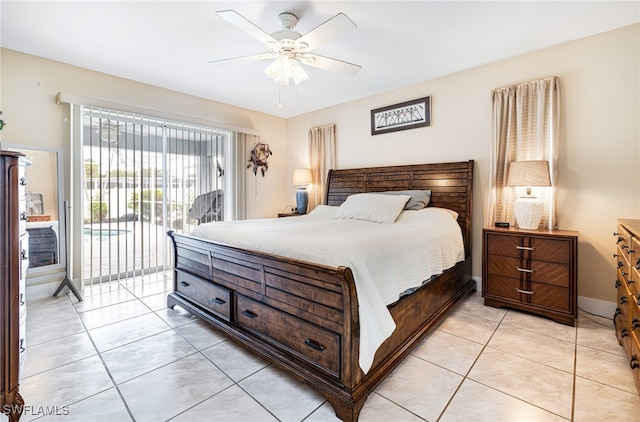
[528, 211]
[302, 200]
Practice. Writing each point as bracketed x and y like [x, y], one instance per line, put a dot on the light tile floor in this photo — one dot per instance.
[121, 355]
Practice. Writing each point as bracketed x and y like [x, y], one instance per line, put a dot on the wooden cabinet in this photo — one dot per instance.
[533, 271]
[288, 214]
[13, 265]
[43, 246]
[627, 316]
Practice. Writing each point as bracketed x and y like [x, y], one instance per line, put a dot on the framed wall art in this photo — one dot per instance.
[407, 115]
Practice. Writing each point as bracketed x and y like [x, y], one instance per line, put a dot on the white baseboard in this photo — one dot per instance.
[596, 306]
[42, 290]
[478, 281]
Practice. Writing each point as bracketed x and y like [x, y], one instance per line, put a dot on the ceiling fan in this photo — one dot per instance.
[288, 48]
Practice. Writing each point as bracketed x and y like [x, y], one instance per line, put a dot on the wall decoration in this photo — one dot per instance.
[258, 160]
[407, 115]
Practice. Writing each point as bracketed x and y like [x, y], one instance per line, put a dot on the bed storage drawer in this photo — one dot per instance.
[213, 297]
[314, 344]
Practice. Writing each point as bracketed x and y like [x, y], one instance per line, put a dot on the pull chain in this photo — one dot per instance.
[279, 101]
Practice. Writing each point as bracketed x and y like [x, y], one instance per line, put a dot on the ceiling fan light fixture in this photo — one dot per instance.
[285, 71]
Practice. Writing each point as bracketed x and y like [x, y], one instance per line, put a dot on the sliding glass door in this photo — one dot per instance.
[142, 177]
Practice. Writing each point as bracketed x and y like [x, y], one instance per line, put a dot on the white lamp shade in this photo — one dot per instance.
[529, 173]
[285, 71]
[302, 177]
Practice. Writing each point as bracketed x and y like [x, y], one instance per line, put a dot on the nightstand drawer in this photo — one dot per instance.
[538, 271]
[504, 245]
[504, 266]
[552, 297]
[550, 273]
[551, 250]
[504, 287]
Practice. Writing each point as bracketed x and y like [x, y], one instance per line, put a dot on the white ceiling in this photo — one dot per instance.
[397, 43]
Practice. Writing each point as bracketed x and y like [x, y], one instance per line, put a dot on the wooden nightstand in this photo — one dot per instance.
[288, 214]
[531, 270]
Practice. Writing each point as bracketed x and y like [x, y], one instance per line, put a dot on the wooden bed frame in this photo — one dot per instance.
[303, 317]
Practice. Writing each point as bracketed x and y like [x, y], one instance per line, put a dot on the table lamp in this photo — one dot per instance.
[301, 178]
[528, 209]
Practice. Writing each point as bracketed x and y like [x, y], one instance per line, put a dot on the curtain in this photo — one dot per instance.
[322, 158]
[524, 127]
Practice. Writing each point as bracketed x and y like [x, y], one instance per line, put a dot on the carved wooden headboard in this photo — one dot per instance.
[451, 186]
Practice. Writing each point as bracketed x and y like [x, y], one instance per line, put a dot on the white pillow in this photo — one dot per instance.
[323, 211]
[425, 213]
[375, 207]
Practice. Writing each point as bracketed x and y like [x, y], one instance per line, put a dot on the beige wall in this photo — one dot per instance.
[599, 178]
[30, 84]
[28, 89]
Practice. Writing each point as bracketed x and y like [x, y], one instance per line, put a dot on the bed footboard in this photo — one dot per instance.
[300, 316]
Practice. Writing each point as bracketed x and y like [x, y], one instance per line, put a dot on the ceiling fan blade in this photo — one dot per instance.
[265, 56]
[327, 31]
[247, 26]
[332, 65]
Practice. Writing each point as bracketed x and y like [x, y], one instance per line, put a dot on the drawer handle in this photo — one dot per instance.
[630, 251]
[526, 292]
[616, 234]
[219, 301]
[620, 239]
[184, 283]
[638, 264]
[615, 255]
[22, 349]
[620, 264]
[249, 314]
[23, 216]
[617, 283]
[525, 248]
[23, 181]
[623, 273]
[635, 324]
[21, 298]
[624, 333]
[634, 363]
[524, 270]
[624, 246]
[24, 255]
[314, 345]
[616, 314]
[623, 300]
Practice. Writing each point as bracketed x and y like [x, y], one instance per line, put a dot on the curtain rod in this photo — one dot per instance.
[94, 102]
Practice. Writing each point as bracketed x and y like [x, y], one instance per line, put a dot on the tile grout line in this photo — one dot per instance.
[198, 351]
[575, 372]
[466, 375]
[104, 364]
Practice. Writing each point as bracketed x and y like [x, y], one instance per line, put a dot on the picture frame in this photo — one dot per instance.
[407, 115]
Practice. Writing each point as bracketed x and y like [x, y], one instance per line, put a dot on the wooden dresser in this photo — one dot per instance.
[627, 316]
[14, 261]
[533, 271]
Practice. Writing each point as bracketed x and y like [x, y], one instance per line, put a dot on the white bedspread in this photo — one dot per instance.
[386, 259]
